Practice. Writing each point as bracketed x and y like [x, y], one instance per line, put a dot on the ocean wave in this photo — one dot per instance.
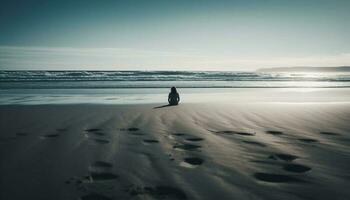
[163, 79]
[47, 76]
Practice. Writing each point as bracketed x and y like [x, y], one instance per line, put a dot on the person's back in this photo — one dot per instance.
[173, 97]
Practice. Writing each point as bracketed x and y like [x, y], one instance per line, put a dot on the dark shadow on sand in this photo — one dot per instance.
[179, 134]
[187, 147]
[297, 168]
[102, 164]
[101, 141]
[234, 133]
[103, 176]
[53, 135]
[150, 141]
[308, 140]
[274, 132]
[194, 160]
[163, 106]
[194, 139]
[92, 130]
[283, 156]
[276, 178]
[158, 192]
[94, 196]
[254, 143]
[328, 133]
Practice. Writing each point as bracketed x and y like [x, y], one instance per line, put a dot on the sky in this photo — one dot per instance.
[173, 35]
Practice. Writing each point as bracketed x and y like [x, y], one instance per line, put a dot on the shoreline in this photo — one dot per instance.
[158, 96]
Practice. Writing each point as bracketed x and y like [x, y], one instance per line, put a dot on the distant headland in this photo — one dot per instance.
[306, 69]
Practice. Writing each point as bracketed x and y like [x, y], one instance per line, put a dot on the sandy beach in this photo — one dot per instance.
[191, 151]
[174, 100]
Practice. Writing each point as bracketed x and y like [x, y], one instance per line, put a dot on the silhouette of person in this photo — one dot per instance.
[173, 97]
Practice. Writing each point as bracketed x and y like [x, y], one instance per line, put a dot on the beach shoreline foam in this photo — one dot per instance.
[159, 95]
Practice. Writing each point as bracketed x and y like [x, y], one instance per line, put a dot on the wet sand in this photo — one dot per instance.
[191, 151]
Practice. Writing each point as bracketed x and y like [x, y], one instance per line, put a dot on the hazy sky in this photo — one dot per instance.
[173, 35]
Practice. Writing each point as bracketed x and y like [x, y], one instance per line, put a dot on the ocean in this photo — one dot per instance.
[166, 79]
[130, 87]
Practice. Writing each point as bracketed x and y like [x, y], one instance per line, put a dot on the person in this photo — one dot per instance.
[173, 97]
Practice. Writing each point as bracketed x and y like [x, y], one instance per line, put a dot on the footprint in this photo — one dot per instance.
[98, 133]
[194, 139]
[186, 147]
[150, 141]
[308, 140]
[136, 133]
[92, 130]
[255, 143]
[102, 164]
[274, 132]
[94, 196]
[329, 133]
[244, 133]
[158, 192]
[194, 160]
[283, 156]
[53, 135]
[275, 178]
[132, 131]
[235, 133]
[179, 134]
[103, 176]
[297, 168]
[101, 141]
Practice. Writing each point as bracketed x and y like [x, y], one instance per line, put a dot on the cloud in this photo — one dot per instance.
[342, 59]
[65, 58]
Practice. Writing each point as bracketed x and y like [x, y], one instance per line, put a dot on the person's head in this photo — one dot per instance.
[173, 90]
